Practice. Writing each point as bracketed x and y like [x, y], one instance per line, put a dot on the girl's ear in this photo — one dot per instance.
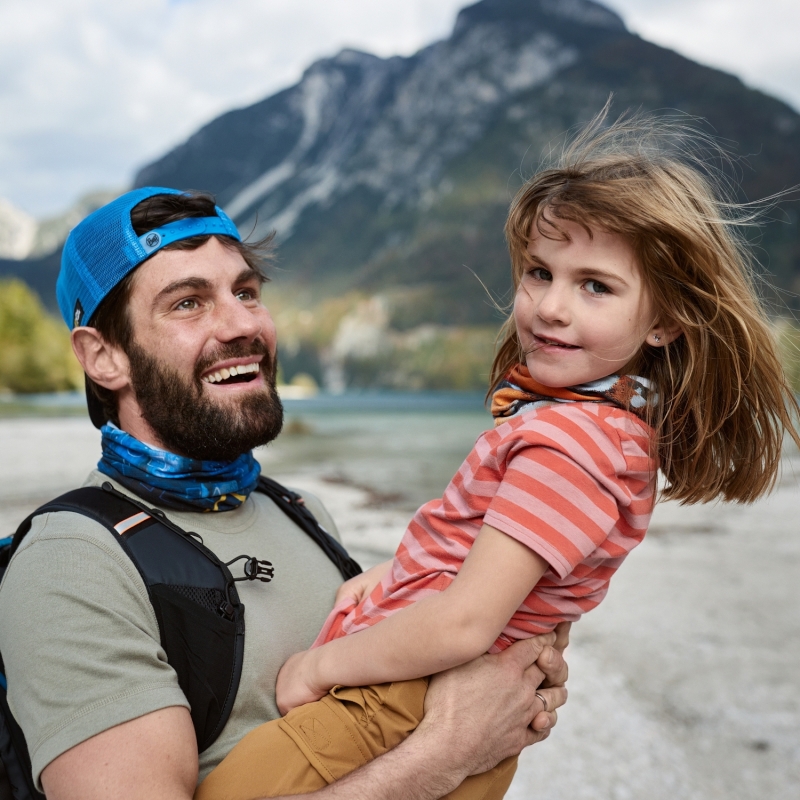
[106, 364]
[661, 335]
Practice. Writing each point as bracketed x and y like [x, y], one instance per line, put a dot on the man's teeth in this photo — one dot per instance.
[230, 372]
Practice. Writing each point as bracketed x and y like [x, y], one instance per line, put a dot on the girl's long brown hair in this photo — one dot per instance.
[723, 401]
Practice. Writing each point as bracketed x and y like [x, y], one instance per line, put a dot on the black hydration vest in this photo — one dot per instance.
[200, 617]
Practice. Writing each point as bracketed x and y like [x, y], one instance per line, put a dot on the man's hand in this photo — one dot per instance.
[562, 636]
[356, 589]
[562, 641]
[484, 710]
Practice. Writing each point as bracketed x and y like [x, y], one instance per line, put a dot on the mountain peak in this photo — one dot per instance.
[582, 12]
[347, 58]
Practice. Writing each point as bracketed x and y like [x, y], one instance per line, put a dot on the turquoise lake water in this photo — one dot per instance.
[402, 447]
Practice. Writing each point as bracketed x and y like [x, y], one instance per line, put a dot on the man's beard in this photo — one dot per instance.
[188, 422]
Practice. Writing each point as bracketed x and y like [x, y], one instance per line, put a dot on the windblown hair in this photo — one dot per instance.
[112, 319]
[723, 403]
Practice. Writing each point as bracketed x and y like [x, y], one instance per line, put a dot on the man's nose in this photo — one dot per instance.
[236, 321]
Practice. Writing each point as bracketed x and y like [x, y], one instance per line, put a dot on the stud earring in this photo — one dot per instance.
[656, 337]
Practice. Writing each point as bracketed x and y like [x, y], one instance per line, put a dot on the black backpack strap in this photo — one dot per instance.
[14, 753]
[200, 616]
[293, 505]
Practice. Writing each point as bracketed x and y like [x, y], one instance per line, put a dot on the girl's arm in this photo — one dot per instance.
[434, 634]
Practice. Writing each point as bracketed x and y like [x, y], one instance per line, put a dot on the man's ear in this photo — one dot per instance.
[662, 334]
[106, 364]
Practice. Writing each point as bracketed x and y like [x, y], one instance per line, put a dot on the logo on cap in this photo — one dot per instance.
[152, 240]
[77, 314]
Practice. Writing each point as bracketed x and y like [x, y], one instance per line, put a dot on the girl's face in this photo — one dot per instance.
[581, 309]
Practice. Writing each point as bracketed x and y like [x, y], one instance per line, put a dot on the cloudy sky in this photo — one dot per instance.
[91, 89]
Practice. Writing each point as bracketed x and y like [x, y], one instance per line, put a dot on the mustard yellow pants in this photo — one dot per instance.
[316, 744]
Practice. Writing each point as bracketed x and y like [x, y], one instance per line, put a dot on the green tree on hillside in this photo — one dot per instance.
[35, 352]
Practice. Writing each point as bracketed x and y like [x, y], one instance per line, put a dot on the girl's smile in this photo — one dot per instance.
[541, 342]
[581, 309]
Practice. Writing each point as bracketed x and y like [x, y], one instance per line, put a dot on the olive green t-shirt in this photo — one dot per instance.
[80, 640]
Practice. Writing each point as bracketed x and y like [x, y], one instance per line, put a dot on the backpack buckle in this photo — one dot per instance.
[254, 570]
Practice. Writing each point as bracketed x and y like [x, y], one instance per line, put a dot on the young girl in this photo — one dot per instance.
[636, 343]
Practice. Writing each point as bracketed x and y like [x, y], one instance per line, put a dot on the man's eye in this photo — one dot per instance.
[246, 294]
[187, 305]
[595, 287]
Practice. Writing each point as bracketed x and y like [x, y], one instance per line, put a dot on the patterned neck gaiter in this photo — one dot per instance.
[518, 392]
[173, 481]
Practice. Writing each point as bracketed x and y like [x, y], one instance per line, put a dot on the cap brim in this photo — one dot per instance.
[96, 412]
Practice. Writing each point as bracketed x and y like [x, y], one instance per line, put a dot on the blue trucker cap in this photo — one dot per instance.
[102, 249]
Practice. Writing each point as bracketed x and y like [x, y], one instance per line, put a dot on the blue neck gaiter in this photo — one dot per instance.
[172, 481]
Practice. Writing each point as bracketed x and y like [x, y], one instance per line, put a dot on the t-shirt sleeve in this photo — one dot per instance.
[79, 638]
[562, 488]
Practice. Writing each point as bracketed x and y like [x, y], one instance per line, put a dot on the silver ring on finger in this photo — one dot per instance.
[544, 701]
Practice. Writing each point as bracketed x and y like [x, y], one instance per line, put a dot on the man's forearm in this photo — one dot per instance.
[417, 769]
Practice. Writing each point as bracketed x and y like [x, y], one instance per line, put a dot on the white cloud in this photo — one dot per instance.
[91, 89]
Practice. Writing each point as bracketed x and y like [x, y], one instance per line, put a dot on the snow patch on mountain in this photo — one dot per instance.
[17, 231]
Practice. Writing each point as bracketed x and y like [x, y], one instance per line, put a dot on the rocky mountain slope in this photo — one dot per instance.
[381, 173]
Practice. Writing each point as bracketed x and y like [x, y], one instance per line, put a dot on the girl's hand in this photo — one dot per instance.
[356, 589]
[295, 686]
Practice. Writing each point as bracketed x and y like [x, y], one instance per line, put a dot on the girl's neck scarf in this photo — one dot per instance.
[518, 392]
[174, 481]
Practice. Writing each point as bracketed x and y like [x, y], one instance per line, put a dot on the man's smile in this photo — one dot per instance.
[232, 372]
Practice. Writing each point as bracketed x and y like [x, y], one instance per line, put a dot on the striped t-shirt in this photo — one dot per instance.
[573, 481]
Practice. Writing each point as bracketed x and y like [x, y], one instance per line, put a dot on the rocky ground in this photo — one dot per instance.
[684, 683]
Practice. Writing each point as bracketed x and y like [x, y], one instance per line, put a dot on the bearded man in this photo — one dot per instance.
[180, 355]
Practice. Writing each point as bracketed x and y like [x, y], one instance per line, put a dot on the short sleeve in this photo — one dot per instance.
[79, 638]
[563, 486]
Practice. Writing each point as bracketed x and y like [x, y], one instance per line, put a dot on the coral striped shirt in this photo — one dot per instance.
[574, 482]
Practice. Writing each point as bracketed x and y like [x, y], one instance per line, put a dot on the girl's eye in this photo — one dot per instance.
[540, 274]
[595, 287]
